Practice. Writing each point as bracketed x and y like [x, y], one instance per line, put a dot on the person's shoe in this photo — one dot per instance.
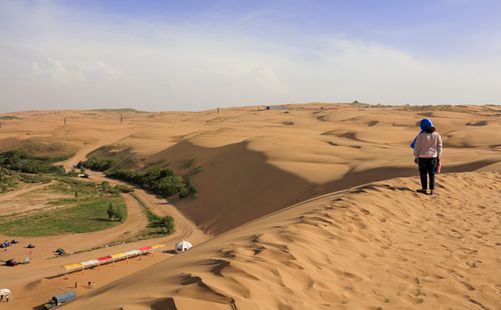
[432, 192]
[422, 191]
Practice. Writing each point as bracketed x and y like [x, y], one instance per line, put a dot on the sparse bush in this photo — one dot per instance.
[189, 189]
[34, 178]
[187, 163]
[123, 188]
[23, 162]
[105, 186]
[71, 173]
[8, 180]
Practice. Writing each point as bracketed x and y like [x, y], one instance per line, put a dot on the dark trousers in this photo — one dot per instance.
[427, 167]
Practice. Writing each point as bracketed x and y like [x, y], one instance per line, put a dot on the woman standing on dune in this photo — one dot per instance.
[427, 150]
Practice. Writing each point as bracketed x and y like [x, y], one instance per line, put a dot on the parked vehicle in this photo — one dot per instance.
[60, 251]
[84, 175]
[14, 241]
[60, 299]
[30, 246]
[11, 263]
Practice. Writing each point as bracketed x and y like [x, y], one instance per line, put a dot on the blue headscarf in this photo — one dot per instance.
[424, 124]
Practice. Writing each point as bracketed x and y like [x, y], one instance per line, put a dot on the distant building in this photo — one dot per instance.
[275, 107]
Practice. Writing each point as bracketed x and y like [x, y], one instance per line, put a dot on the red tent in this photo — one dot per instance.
[145, 248]
[104, 258]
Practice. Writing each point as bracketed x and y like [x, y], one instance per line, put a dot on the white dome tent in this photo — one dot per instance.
[183, 246]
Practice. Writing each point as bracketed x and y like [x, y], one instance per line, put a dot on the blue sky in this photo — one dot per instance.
[193, 55]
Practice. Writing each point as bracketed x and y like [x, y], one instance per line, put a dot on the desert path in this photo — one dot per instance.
[24, 190]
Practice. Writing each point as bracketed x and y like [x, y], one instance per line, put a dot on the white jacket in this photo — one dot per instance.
[428, 145]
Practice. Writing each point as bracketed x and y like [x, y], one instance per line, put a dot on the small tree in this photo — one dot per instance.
[114, 214]
[76, 194]
[105, 185]
[110, 211]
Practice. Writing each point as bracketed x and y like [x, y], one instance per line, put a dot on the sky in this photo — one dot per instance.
[196, 55]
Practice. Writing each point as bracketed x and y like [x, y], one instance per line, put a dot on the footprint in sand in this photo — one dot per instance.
[468, 286]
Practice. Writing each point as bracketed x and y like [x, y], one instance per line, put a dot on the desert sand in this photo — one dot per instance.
[378, 245]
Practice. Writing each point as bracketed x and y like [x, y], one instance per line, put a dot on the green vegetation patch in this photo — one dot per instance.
[157, 226]
[82, 189]
[23, 162]
[8, 117]
[110, 157]
[83, 217]
[8, 180]
[53, 151]
[98, 164]
[161, 181]
[119, 162]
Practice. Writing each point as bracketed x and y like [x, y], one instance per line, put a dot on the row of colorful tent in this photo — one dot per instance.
[111, 258]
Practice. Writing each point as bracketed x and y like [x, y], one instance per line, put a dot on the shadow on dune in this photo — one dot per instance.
[164, 304]
[237, 185]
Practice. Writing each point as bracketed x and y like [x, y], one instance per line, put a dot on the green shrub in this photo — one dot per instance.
[161, 181]
[158, 226]
[23, 162]
[192, 190]
[167, 223]
[123, 188]
[97, 164]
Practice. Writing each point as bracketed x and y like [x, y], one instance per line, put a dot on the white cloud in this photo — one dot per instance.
[159, 66]
[57, 71]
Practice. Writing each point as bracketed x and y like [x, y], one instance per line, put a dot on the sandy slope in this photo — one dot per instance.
[378, 246]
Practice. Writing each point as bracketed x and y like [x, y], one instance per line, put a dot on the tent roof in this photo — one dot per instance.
[4, 291]
[183, 243]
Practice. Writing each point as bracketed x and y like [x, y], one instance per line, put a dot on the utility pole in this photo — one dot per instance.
[121, 118]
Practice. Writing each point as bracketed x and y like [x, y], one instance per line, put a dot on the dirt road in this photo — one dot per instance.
[20, 279]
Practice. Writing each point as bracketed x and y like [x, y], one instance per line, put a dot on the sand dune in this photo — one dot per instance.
[377, 246]
[256, 163]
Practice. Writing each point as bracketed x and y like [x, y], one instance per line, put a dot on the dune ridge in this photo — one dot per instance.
[236, 179]
[376, 246]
